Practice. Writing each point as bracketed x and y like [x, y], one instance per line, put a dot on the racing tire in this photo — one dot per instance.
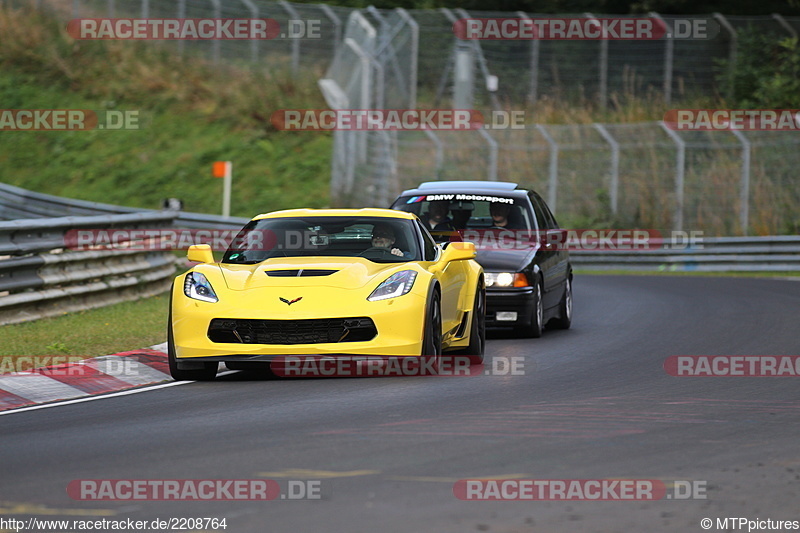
[533, 329]
[564, 319]
[432, 335]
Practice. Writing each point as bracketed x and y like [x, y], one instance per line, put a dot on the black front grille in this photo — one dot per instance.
[311, 331]
[302, 272]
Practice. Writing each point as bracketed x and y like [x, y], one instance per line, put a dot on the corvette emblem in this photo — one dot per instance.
[290, 302]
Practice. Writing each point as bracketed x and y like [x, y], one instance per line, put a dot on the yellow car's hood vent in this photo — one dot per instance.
[299, 272]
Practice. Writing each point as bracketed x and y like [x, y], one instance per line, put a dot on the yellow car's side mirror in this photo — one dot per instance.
[455, 251]
[200, 253]
[459, 251]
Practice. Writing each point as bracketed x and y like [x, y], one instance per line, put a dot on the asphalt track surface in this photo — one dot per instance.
[594, 403]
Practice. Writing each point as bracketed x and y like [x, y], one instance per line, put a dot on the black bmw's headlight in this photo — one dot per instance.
[506, 279]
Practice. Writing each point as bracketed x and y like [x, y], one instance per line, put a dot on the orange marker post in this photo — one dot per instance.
[224, 170]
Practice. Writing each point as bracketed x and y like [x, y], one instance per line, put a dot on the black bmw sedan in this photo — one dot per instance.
[528, 273]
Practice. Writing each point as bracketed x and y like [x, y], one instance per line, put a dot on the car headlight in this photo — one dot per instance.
[395, 285]
[506, 279]
[197, 286]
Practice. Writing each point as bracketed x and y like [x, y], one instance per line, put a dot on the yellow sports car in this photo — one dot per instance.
[330, 282]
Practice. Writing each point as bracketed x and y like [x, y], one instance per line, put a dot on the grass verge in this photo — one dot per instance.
[116, 328]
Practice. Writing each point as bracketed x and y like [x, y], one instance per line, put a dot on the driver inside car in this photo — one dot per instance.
[383, 237]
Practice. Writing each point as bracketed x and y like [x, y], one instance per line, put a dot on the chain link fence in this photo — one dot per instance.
[527, 70]
[620, 174]
[309, 33]
[627, 175]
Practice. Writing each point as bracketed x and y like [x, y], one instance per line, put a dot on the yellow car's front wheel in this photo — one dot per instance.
[432, 337]
[477, 332]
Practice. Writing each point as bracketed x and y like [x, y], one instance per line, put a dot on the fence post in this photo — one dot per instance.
[145, 9]
[463, 67]
[111, 9]
[412, 81]
[384, 172]
[786, 26]
[293, 15]
[744, 192]
[367, 101]
[492, 153]
[439, 151]
[533, 90]
[215, 44]
[76, 9]
[463, 77]
[337, 25]
[339, 166]
[680, 173]
[603, 96]
[181, 15]
[731, 51]
[253, 42]
[385, 55]
[478, 51]
[669, 53]
[614, 186]
[552, 184]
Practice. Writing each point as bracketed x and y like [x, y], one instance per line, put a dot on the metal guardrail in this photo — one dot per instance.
[42, 234]
[16, 203]
[40, 276]
[204, 221]
[710, 254]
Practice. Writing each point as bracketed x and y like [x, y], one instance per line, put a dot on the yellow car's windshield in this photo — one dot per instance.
[379, 239]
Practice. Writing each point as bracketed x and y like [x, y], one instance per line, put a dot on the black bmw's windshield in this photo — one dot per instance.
[490, 222]
[383, 240]
[468, 211]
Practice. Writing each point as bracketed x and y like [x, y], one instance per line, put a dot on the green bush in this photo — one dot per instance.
[766, 73]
